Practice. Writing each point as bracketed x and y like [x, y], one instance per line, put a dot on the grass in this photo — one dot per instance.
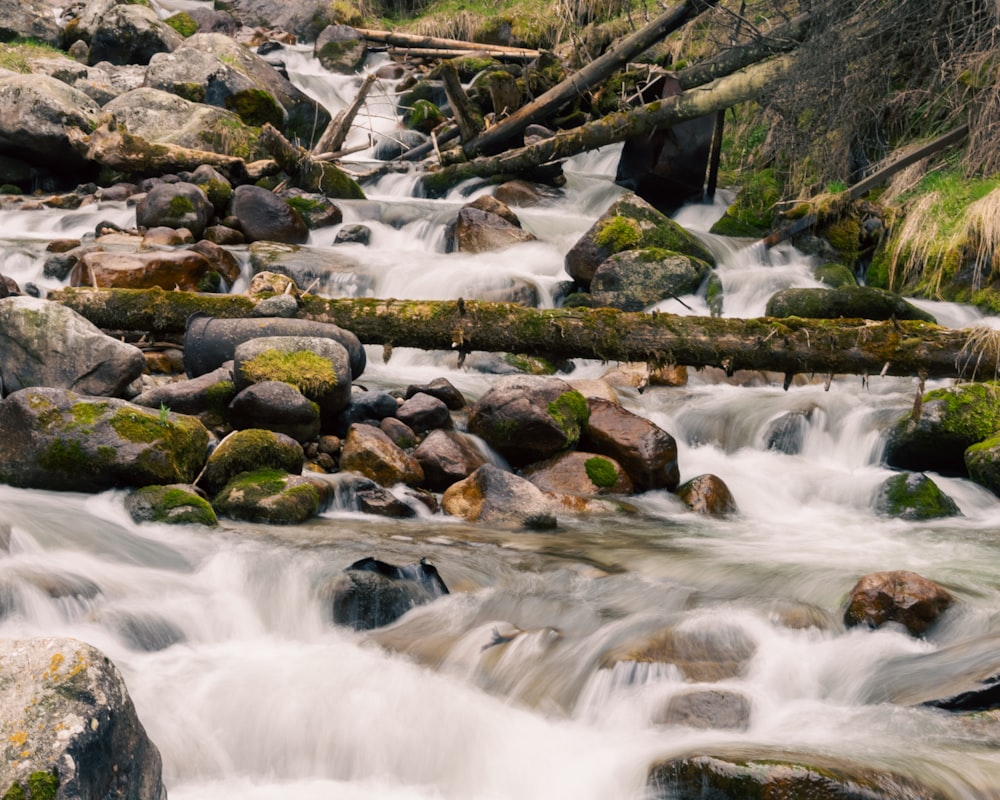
[16, 55]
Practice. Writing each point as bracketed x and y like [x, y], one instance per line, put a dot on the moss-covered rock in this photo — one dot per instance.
[982, 460]
[174, 505]
[423, 116]
[836, 276]
[848, 302]
[183, 23]
[913, 496]
[270, 496]
[249, 450]
[751, 214]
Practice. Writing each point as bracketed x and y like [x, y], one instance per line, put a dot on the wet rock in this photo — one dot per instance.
[340, 49]
[166, 237]
[400, 433]
[523, 194]
[951, 420]
[335, 273]
[423, 412]
[47, 344]
[423, 116]
[786, 433]
[491, 495]
[175, 205]
[389, 147]
[185, 270]
[222, 261]
[272, 497]
[354, 234]
[101, 748]
[372, 593]
[370, 406]
[699, 655]
[913, 496]
[249, 450]
[276, 406]
[634, 279]
[317, 210]
[646, 452]
[529, 418]
[208, 393]
[57, 439]
[906, 598]
[177, 504]
[836, 276]
[983, 463]
[708, 708]
[146, 631]
[447, 457]
[708, 495]
[629, 224]
[442, 389]
[265, 216]
[478, 231]
[223, 235]
[372, 453]
[383, 503]
[849, 302]
[579, 473]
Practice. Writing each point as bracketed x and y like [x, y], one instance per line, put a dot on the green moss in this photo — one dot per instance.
[9, 188]
[845, 237]
[601, 472]
[571, 412]
[210, 282]
[530, 365]
[423, 116]
[15, 792]
[834, 275]
[752, 212]
[256, 107]
[714, 294]
[16, 55]
[137, 426]
[264, 496]
[618, 233]
[305, 205]
[179, 206]
[183, 23]
[308, 372]
[192, 92]
[43, 785]
[914, 497]
[218, 396]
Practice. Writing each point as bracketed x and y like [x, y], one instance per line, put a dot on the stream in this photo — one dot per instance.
[501, 690]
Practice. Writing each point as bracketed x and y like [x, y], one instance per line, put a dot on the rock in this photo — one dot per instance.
[495, 497]
[131, 34]
[365, 406]
[222, 261]
[447, 457]
[914, 496]
[47, 344]
[646, 452]
[634, 279]
[304, 19]
[209, 393]
[389, 147]
[850, 302]
[479, 231]
[319, 368]
[982, 460]
[184, 270]
[354, 234]
[700, 655]
[382, 503]
[372, 453]
[709, 495]
[340, 49]
[39, 114]
[104, 82]
[175, 205]
[333, 274]
[70, 728]
[629, 224]
[165, 237]
[248, 451]
[373, 593]
[60, 440]
[836, 276]
[212, 68]
[707, 708]
[524, 194]
[264, 216]
[317, 210]
[442, 389]
[281, 305]
[951, 420]
[787, 432]
[28, 19]
[272, 497]
[423, 412]
[902, 597]
[276, 406]
[529, 418]
[214, 184]
[422, 116]
[579, 473]
[401, 434]
[211, 20]
[178, 504]
[777, 775]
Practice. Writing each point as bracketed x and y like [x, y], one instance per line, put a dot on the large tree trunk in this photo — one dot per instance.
[779, 345]
[716, 96]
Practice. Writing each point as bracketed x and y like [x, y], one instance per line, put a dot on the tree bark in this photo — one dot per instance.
[333, 138]
[716, 96]
[438, 43]
[306, 172]
[581, 81]
[469, 123]
[789, 346]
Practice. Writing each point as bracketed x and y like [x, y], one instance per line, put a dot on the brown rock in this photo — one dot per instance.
[897, 596]
[500, 498]
[579, 473]
[709, 495]
[372, 453]
[646, 452]
[447, 457]
[168, 269]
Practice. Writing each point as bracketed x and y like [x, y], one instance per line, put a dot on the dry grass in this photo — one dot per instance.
[982, 345]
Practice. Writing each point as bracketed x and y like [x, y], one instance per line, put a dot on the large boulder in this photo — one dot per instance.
[276, 406]
[370, 452]
[629, 224]
[162, 117]
[529, 418]
[848, 302]
[447, 457]
[28, 19]
[184, 270]
[212, 68]
[899, 596]
[40, 117]
[950, 421]
[647, 452]
[423, 412]
[340, 49]
[982, 460]
[60, 440]
[130, 34]
[912, 495]
[634, 279]
[247, 451]
[70, 727]
[481, 230]
[700, 656]
[303, 18]
[263, 216]
[177, 504]
[330, 273]
[492, 496]
[579, 473]
[47, 344]
[272, 497]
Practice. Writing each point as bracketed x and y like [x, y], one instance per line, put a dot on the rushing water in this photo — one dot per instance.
[250, 692]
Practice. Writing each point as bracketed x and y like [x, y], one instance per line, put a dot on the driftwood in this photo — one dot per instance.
[307, 172]
[450, 47]
[716, 96]
[469, 123]
[581, 81]
[332, 139]
[788, 346]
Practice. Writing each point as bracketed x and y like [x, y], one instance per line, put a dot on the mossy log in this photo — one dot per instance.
[789, 345]
[308, 173]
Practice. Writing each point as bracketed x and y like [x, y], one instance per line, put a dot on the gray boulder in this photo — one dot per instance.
[423, 412]
[491, 495]
[175, 205]
[478, 231]
[332, 273]
[304, 18]
[60, 440]
[40, 114]
[276, 406]
[28, 19]
[634, 279]
[263, 216]
[130, 34]
[340, 49]
[48, 344]
[70, 727]
[212, 68]
[706, 708]
[211, 392]
[447, 457]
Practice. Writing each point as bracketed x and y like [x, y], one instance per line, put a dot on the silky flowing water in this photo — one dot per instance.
[249, 691]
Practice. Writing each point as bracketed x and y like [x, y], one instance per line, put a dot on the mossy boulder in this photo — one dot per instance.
[57, 439]
[249, 450]
[634, 279]
[529, 418]
[646, 452]
[175, 205]
[751, 214]
[982, 461]
[175, 505]
[951, 420]
[900, 597]
[848, 302]
[630, 224]
[579, 473]
[913, 496]
[340, 49]
[270, 496]
[836, 276]
[131, 34]
[423, 116]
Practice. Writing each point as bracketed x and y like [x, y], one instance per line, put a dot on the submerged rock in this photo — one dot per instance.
[899, 596]
[707, 708]
[179, 504]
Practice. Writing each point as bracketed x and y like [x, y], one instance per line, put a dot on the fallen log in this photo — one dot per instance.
[790, 346]
[419, 42]
[307, 172]
[333, 138]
